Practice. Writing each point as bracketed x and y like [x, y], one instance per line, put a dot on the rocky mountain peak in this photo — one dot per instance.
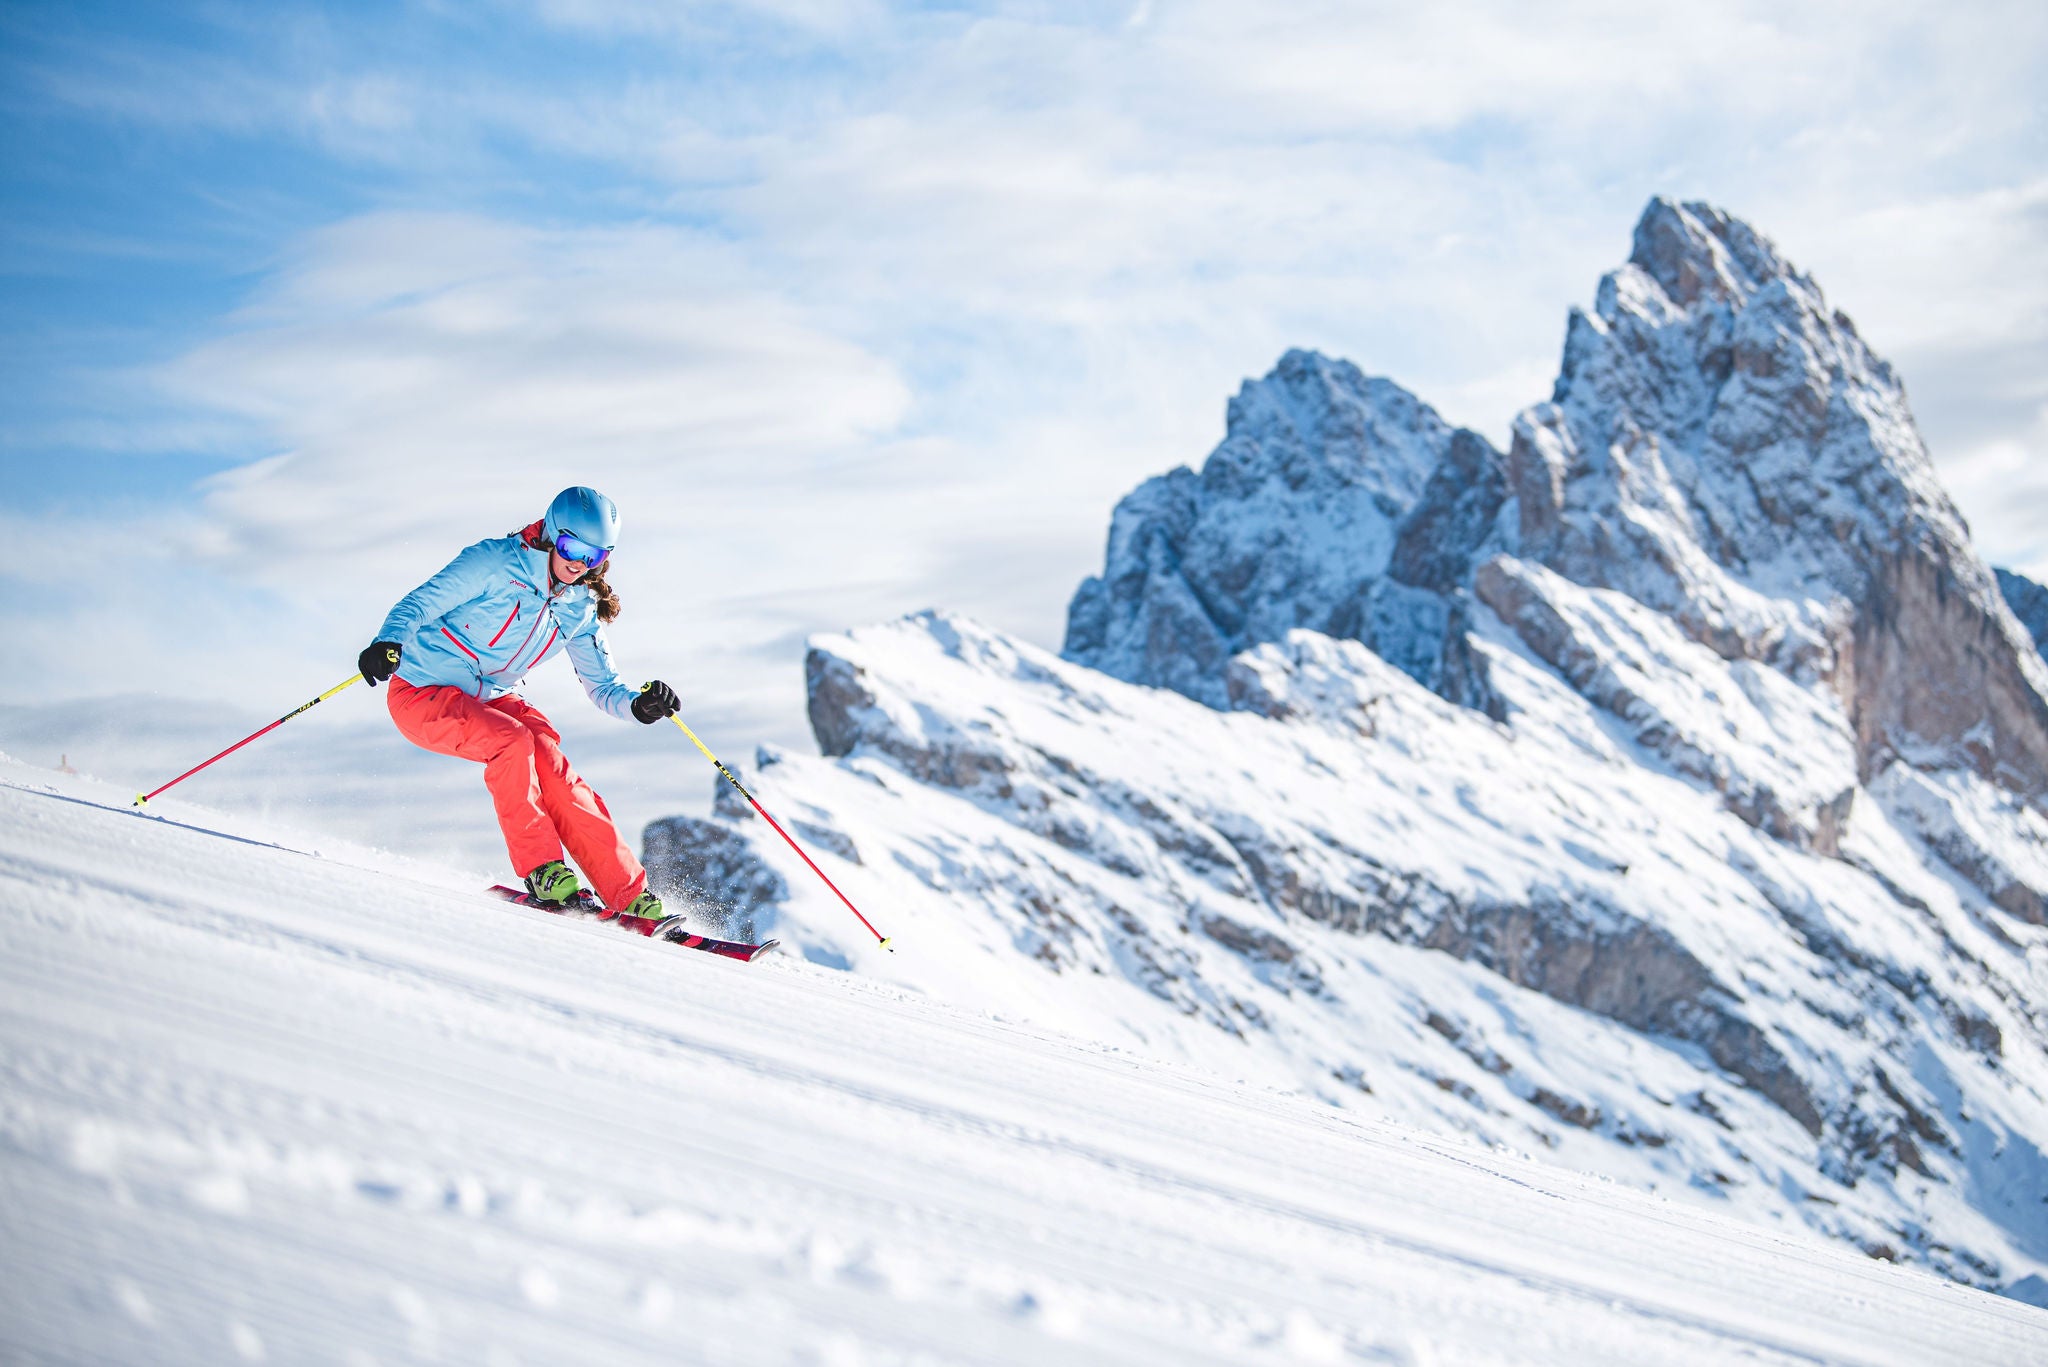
[1724, 448]
[1720, 446]
[1694, 251]
[1291, 523]
[1321, 426]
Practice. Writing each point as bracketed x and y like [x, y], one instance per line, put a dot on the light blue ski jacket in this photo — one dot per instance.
[490, 616]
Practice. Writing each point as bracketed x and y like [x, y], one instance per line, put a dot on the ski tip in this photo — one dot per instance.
[762, 948]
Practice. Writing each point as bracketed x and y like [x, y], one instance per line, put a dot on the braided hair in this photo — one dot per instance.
[607, 597]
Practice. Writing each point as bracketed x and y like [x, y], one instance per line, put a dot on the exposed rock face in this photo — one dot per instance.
[2029, 603]
[708, 871]
[1454, 518]
[1291, 522]
[1724, 448]
[1782, 758]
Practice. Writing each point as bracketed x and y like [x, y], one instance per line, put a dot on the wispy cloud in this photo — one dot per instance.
[432, 379]
[860, 308]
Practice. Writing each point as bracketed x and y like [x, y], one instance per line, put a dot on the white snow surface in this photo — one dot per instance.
[266, 1104]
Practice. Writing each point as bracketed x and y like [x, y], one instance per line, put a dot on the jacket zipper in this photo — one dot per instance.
[544, 645]
[505, 628]
[460, 646]
[521, 648]
[517, 651]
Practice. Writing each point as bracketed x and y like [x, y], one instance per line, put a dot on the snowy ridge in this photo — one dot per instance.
[1673, 808]
[262, 1105]
[1651, 987]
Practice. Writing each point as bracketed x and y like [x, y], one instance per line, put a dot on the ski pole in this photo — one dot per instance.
[879, 936]
[142, 798]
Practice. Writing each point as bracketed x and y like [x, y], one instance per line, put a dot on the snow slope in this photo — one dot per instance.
[266, 1105]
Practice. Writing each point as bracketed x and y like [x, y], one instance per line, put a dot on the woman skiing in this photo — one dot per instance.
[456, 650]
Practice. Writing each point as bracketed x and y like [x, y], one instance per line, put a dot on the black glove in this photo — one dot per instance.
[656, 700]
[379, 661]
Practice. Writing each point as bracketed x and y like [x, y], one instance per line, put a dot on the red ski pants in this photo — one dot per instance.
[542, 803]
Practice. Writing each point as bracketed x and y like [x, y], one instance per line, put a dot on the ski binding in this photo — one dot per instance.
[671, 928]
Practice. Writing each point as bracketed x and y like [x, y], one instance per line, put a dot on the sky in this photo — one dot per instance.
[859, 308]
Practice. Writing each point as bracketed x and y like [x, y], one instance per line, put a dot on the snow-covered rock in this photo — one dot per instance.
[1723, 447]
[1291, 523]
[710, 868]
[2029, 603]
[1635, 977]
[1665, 794]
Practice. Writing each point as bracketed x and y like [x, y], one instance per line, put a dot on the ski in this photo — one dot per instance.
[669, 928]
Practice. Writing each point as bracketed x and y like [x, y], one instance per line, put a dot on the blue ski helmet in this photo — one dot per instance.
[586, 515]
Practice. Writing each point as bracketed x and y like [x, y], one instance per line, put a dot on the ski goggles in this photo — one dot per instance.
[572, 547]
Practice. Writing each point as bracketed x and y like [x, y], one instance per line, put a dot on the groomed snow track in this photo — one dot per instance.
[266, 1104]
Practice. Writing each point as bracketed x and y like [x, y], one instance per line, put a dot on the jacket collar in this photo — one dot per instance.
[533, 553]
[533, 544]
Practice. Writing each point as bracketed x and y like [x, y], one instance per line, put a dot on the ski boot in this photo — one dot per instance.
[553, 882]
[646, 906]
[667, 925]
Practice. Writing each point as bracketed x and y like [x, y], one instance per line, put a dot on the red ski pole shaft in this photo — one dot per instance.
[879, 936]
[141, 798]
